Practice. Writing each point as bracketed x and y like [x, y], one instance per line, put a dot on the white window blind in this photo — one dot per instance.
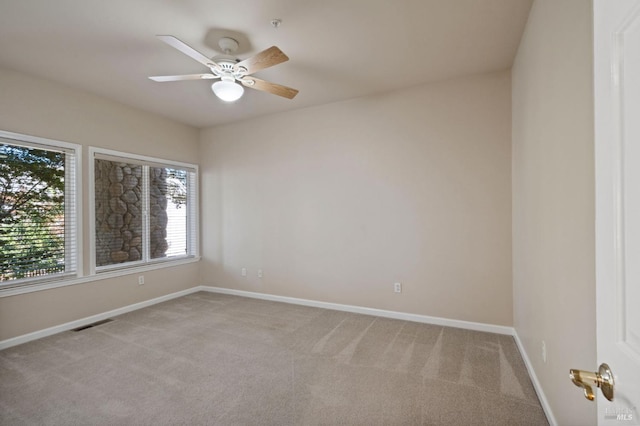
[38, 211]
[145, 210]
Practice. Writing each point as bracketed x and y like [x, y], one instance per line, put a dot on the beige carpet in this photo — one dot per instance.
[211, 359]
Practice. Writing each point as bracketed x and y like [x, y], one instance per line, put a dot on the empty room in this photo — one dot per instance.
[282, 212]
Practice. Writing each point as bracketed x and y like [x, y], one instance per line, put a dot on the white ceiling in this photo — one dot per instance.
[338, 49]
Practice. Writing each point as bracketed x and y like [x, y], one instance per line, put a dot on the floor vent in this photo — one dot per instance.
[94, 324]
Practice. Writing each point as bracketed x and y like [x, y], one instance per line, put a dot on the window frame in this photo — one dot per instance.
[193, 218]
[73, 210]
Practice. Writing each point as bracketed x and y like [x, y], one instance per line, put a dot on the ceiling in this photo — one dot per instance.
[338, 49]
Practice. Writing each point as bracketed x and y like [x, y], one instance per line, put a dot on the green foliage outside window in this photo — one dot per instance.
[31, 212]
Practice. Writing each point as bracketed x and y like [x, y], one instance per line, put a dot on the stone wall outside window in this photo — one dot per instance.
[119, 212]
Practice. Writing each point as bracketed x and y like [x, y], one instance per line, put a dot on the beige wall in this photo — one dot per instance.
[553, 201]
[337, 202]
[40, 108]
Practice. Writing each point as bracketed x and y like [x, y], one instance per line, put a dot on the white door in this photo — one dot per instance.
[617, 155]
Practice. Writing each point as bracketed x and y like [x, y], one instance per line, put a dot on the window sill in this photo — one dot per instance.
[47, 285]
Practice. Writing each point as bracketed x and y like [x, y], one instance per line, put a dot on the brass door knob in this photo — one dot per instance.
[586, 379]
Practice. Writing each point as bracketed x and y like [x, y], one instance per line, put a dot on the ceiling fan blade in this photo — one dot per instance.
[165, 78]
[187, 50]
[265, 59]
[276, 89]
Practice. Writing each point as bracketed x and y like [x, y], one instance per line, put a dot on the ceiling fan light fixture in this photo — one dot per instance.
[228, 91]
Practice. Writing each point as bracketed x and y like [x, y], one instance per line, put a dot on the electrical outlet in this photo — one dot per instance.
[544, 352]
[244, 272]
[397, 288]
[140, 279]
[259, 273]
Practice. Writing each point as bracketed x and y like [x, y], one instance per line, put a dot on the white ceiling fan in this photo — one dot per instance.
[231, 70]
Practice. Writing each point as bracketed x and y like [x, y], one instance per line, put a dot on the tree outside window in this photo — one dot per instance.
[32, 212]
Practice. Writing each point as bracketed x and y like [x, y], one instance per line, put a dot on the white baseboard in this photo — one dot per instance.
[536, 383]
[490, 328]
[14, 341]
[477, 326]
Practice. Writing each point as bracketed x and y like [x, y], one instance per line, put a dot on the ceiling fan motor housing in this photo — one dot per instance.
[226, 66]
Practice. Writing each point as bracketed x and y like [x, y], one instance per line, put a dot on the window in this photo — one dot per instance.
[144, 210]
[39, 220]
